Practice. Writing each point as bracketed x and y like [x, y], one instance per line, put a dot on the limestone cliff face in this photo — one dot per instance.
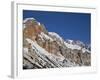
[43, 49]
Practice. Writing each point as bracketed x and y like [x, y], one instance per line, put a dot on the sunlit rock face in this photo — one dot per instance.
[44, 49]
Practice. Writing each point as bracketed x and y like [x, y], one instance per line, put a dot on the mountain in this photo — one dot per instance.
[44, 49]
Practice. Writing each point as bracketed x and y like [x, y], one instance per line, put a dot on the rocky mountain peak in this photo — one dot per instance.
[43, 49]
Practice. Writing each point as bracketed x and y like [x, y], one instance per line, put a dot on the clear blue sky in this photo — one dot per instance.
[75, 26]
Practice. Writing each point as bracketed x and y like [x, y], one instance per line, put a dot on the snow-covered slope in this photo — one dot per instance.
[70, 43]
[44, 36]
[71, 46]
[55, 36]
[58, 61]
[28, 19]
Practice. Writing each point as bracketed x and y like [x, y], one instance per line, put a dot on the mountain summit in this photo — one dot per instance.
[44, 49]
